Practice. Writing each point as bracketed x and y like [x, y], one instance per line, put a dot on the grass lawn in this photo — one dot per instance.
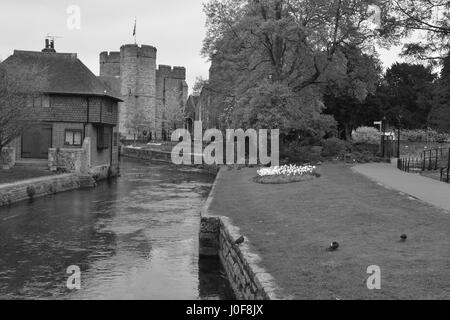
[22, 173]
[291, 226]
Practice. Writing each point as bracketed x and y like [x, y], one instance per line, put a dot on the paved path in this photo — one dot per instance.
[431, 191]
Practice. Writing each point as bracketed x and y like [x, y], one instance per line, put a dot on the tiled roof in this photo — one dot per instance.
[56, 73]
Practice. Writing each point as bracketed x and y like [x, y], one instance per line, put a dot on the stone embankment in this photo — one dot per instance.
[35, 188]
[219, 237]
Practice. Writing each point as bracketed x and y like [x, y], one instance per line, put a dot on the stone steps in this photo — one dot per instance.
[87, 181]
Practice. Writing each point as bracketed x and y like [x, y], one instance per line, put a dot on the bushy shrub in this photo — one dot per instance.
[414, 135]
[428, 135]
[297, 152]
[364, 153]
[333, 147]
[368, 135]
[365, 148]
[362, 157]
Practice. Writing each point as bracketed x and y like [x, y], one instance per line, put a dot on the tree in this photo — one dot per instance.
[428, 19]
[17, 98]
[407, 92]
[273, 59]
[200, 83]
[137, 120]
[173, 116]
[347, 100]
[439, 117]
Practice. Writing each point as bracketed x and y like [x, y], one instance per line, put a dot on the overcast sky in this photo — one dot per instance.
[175, 27]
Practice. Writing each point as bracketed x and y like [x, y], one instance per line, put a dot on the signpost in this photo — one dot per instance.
[380, 124]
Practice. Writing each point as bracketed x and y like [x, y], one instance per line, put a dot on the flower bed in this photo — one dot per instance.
[286, 174]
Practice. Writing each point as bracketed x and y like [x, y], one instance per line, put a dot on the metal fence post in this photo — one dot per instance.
[423, 161]
[448, 167]
[430, 161]
[437, 157]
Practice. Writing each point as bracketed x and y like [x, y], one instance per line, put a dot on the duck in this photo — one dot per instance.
[333, 246]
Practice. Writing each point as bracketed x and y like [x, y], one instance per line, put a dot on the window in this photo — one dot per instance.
[103, 138]
[73, 138]
[37, 102]
[33, 101]
[116, 138]
[109, 106]
[46, 102]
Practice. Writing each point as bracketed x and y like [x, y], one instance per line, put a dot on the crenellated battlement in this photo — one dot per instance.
[133, 50]
[109, 64]
[110, 57]
[166, 71]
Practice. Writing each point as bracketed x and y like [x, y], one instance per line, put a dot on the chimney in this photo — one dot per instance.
[49, 45]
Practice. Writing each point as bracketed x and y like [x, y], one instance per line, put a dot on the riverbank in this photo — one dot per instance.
[220, 238]
[290, 227]
[31, 189]
[21, 173]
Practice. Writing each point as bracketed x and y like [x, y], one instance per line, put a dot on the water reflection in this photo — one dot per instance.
[133, 238]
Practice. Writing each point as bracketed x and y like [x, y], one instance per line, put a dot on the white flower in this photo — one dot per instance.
[286, 170]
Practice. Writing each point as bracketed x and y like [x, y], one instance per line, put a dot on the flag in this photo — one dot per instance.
[134, 30]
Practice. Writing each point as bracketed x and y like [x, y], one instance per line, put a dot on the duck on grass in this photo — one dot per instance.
[286, 174]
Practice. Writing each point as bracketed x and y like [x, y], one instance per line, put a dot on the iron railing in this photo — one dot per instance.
[410, 164]
[437, 160]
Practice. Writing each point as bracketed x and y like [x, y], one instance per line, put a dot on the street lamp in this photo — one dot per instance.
[398, 135]
[383, 138]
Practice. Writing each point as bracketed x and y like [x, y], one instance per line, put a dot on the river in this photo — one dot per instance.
[135, 237]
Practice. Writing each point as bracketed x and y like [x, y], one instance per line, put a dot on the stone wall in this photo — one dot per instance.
[35, 188]
[67, 160]
[161, 156]
[85, 160]
[248, 280]
[71, 160]
[8, 158]
[144, 154]
[217, 238]
[101, 172]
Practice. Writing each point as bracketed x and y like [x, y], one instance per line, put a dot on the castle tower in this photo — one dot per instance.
[171, 97]
[138, 78]
[110, 70]
[151, 96]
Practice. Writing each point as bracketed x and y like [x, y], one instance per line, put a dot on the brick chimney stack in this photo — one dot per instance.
[49, 45]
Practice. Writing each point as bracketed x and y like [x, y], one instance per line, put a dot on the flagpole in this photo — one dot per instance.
[134, 32]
